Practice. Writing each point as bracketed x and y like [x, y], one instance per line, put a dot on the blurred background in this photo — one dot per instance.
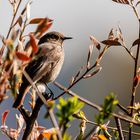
[80, 19]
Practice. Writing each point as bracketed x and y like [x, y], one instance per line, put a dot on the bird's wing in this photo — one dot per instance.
[35, 65]
[42, 64]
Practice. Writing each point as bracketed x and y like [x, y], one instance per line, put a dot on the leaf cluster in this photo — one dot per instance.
[107, 108]
[66, 109]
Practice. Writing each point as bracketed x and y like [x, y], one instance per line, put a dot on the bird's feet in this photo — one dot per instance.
[50, 94]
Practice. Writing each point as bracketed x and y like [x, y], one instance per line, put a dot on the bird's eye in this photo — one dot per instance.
[55, 37]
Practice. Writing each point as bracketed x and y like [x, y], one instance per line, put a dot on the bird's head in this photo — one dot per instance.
[53, 37]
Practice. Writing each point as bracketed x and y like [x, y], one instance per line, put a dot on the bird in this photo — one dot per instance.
[45, 65]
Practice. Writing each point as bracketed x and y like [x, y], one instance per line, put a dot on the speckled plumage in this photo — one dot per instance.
[46, 64]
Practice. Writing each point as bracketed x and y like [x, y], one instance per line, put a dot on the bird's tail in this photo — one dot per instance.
[20, 97]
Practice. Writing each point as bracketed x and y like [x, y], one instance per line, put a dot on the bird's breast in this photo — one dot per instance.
[57, 60]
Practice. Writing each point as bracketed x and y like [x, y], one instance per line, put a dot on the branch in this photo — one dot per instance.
[79, 97]
[31, 120]
[41, 100]
[134, 88]
[55, 124]
[127, 50]
[123, 108]
[87, 71]
[119, 128]
[108, 127]
[90, 133]
[99, 108]
[11, 25]
[24, 113]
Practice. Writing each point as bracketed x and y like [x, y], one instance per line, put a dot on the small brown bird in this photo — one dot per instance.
[46, 64]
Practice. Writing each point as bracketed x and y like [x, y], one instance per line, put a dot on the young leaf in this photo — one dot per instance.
[38, 20]
[20, 122]
[95, 42]
[78, 73]
[66, 109]
[22, 56]
[33, 43]
[19, 21]
[92, 74]
[136, 42]
[136, 80]
[121, 1]
[48, 133]
[111, 42]
[28, 10]
[4, 116]
[108, 106]
[72, 80]
[111, 35]
[14, 34]
[43, 26]
[82, 130]
[89, 55]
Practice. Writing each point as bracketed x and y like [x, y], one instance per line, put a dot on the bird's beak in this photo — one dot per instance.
[65, 38]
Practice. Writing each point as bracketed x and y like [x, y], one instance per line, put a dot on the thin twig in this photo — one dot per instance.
[10, 28]
[55, 124]
[114, 128]
[24, 113]
[90, 133]
[79, 97]
[99, 108]
[108, 127]
[43, 99]
[123, 108]
[31, 120]
[87, 71]
[119, 128]
[127, 50]
[134, 88]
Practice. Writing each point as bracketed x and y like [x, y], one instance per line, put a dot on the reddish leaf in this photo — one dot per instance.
[33, 44]
[95, 42]
[22, 56]
[111, 35]
[111, 42]
[92, 74]
[4, 116]
[43, 26]
[40, 128]
[14, 34]
[48, 133]
[19, 21]
[44, 29]
[38, 20]
[136, 80]
[40, 137]
[136, 42]
[121, 1]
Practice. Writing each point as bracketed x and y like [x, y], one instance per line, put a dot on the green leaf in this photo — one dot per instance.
[108, 107]
[66, 109]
